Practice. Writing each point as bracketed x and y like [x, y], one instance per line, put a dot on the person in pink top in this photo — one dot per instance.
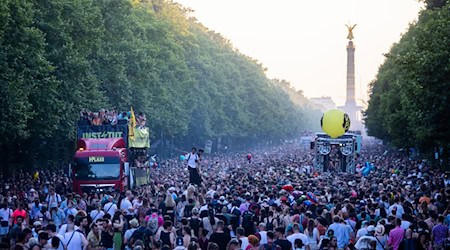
[396, 235]
[20, 212]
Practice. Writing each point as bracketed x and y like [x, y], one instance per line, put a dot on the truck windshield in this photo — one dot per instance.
[97, 168]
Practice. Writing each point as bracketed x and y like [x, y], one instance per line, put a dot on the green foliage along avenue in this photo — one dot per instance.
[60, 56]
[410, 99]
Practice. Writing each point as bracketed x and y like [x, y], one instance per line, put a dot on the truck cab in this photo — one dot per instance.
[100, 164]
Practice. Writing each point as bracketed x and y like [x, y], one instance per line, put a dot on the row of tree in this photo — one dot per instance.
[410, 98]
[59, 56]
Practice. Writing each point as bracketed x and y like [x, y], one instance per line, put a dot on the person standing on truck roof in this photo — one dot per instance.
[192, 160]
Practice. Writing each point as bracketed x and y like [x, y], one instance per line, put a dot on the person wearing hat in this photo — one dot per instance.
[33, 195]
[364, 241]
[134, 223]
[37, 225]
[381, 237]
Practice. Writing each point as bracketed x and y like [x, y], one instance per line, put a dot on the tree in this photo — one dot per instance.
[409, 105]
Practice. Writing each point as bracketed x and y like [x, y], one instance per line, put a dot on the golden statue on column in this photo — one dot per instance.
[350, 31]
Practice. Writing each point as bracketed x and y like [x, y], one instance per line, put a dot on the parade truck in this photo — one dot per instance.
[105, 157]
[336, 154]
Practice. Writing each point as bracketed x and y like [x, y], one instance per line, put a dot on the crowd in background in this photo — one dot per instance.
[111, 117]
[274, 201]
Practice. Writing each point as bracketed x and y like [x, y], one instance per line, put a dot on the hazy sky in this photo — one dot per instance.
[304, 42]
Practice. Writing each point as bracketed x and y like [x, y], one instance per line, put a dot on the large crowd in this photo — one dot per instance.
[265, 200]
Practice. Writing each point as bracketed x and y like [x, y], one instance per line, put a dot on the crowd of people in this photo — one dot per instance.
[273, 201]
[111, 117]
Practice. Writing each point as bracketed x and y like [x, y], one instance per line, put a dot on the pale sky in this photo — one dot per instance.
[304, 42]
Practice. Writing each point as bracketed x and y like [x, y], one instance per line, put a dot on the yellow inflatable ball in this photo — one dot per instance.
[335, 122]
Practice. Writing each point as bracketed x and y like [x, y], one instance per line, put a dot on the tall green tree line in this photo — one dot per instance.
[60, 56]
[409, 103]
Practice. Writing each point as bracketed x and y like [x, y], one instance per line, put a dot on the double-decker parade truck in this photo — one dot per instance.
[106, 156]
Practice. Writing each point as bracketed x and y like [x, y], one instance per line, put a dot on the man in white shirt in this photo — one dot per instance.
[263, 233]
[126, 205]
[74, 240]
[51, 229]
[110, 207]
[192, 160]
[362, 231]
[97, 213]
[5, 216]
[64, 227]
[297, 235]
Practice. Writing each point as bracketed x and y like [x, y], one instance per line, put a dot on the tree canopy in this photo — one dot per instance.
[60, 56]
[409, 101]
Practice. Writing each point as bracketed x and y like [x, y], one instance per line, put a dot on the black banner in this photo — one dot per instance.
[141, 176]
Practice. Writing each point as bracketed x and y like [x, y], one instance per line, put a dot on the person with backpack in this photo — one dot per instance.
[126, 239]
[235, 219]
[152, 223]
[53, 199]
[271, 221]
[140, 236]
[248, 222]
[166, 235]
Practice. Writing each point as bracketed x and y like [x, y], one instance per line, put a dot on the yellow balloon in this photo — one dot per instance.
[335, 122]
